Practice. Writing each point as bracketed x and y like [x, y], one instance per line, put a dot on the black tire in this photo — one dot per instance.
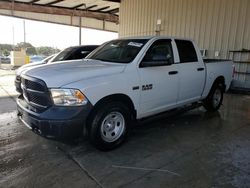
[215, 97]
[103, 122]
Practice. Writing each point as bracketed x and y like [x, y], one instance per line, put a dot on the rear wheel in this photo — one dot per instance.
[109, 125]
[215, 98]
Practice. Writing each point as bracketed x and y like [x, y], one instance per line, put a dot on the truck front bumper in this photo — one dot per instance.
[18, 84]
[55, 121]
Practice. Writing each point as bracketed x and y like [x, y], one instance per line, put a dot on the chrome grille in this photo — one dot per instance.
[38, 99]
[18, 78]
[37, 86]
[35, 92]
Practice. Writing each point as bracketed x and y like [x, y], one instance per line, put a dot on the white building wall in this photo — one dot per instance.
[216, 25]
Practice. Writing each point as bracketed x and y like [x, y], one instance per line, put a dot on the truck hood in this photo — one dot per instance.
[28, 66]
[63, 73]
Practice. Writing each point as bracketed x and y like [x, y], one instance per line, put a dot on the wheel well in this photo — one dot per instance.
[111, 98]
[221, 80]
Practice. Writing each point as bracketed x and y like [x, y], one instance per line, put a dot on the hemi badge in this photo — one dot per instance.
[136, 87]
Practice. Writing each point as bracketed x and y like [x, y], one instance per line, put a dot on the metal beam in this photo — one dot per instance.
[115, 1]
[90, 7]
[103, 8]
[77, 6]
[53, 2]
[113, 11]
[27, 7]
[34, 1]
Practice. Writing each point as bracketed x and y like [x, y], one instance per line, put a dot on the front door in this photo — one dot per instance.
[159, 79]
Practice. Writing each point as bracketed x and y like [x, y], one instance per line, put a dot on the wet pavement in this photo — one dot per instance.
[192, 149]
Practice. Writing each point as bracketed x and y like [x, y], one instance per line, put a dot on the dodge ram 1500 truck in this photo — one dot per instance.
[124, 80]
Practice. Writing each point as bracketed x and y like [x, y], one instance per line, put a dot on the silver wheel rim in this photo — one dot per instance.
[113, 126]
[217, 98]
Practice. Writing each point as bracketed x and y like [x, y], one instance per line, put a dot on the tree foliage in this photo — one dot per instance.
[5, 49]
[30, 50]
[6, 52]
[46, 50]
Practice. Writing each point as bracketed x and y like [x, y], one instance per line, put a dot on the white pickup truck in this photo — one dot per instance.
[123, 80]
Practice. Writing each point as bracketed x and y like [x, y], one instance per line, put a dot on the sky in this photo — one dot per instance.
[48, 34]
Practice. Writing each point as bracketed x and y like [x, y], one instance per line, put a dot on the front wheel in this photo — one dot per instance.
[214, 99]
[109, 125]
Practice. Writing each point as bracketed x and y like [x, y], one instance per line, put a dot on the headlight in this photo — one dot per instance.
[68, 97]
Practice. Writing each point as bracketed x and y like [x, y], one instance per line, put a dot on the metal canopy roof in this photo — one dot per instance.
[106, 11]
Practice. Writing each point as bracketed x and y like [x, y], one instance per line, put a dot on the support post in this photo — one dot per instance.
[80, 30]
[24, 32]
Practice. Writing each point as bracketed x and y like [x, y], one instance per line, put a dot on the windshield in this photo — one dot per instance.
[119, 51]
[63, 55]
[73, 53]
[46, 60]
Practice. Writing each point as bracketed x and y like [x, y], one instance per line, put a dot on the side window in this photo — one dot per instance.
[160, 50]
[79, 54]
[186, 51]
[84, 53]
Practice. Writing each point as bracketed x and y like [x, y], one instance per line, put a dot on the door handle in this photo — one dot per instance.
[173, 72]
[200, 69]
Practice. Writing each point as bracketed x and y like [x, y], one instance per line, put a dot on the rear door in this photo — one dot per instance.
[191, 72]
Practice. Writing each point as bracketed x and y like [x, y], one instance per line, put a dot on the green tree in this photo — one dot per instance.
[5, 49]
[6, 52]
[46, 50]
[30, 50]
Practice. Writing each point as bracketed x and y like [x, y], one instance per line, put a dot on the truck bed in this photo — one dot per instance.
[216, 68]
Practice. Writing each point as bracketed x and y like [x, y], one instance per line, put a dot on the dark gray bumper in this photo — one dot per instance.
[55, 121]
[18, 84]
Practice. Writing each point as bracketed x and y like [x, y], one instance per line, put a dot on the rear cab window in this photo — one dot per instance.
[186, 50]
